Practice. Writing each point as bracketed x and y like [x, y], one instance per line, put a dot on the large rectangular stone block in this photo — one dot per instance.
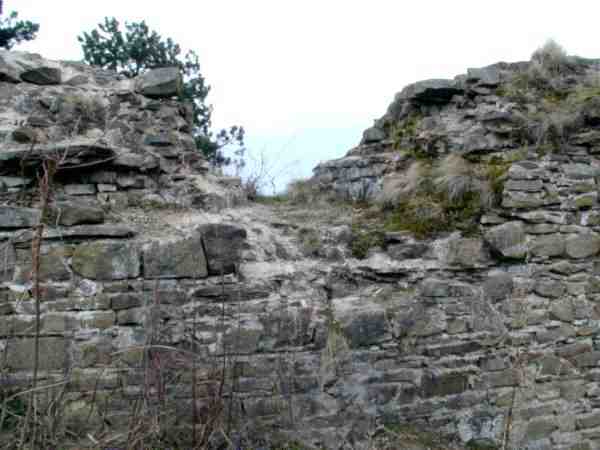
[181, 258]
[52, 354]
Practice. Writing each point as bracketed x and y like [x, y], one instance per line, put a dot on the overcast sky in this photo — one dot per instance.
[305, 78]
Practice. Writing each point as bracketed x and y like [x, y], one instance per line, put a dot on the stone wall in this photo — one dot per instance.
[487, 337]
[118, 262]
[492, 336]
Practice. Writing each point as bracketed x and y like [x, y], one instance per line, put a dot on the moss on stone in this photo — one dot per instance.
[427, 215]
[496, 172]
[405, 130]
[363, 240]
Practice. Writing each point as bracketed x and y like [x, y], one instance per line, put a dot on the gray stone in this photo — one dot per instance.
[554, 217]
[582, 245]
[52, 354]
[125, 301]
[548, 245]
[42, 75]
[182, 258]
[438, 91]
[14, 182]
[107, 260]
[587, 138]
[484, 76]
[16, 217]
[373, 134]
[7, 262]
[435, 288]
[365, 328]
[25, 135]
[508, 240]
[498, 286]
[588, 421]
[540, 428]
[562, 310]
[53, 264]
[18, 66]
[579, 171]
[223, 244]
[162, 82]
[80, 189]
[521, 200]
[466, 252]
[69, 213]
[438, 385]
[524, 185]
[549, 288]
[425, 322]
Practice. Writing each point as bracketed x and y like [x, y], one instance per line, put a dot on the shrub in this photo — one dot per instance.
[422, 216]
[551, 58]
[363, 240]
[459, 182]
[401, 186]
[405, 130]
[303, 191]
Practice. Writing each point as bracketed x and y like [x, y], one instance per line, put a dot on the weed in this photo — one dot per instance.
[496, 174]
[363, 240]
[12, 409]
[405, 130]
[422, 216]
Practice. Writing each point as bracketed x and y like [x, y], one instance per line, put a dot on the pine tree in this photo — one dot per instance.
[137, 48]
[14, 31]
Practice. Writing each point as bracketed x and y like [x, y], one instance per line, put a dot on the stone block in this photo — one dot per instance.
[439, 385]
[181, 258]
[508, 240]
[107, 260]
[223, 244]
[52, 354]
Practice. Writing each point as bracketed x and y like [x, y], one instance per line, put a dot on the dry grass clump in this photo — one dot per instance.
[452, 180]
[459, 181]
[550, 60]
[447, 195]
[401, 186]
[303, 191]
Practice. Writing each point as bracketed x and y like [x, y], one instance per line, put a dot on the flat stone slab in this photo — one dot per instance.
[107, 260]
[162, 82]
[181, 258]
[17, 217]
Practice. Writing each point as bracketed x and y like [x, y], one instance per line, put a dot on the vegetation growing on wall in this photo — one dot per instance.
[136, 49]
[14, 31]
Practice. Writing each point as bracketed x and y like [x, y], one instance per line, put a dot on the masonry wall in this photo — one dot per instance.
[489, 338]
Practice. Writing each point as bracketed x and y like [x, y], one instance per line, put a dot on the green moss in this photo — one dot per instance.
[481, 444]
[311, 242]
[409, 434]
[15, 409]
[406, 129]
[363, 240]
[427, 215]
[580, 60]
[419, 154]
[581, 94]
[271, 199]
[464, 215]
[422, 216]
[555, 98]
[292, 445]
[496, 173]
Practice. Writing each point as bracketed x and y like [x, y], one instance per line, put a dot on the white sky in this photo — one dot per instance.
[306, 77]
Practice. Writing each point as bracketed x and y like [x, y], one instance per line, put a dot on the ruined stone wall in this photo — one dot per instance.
[490, 335]
[154, 288]
[118, 265]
